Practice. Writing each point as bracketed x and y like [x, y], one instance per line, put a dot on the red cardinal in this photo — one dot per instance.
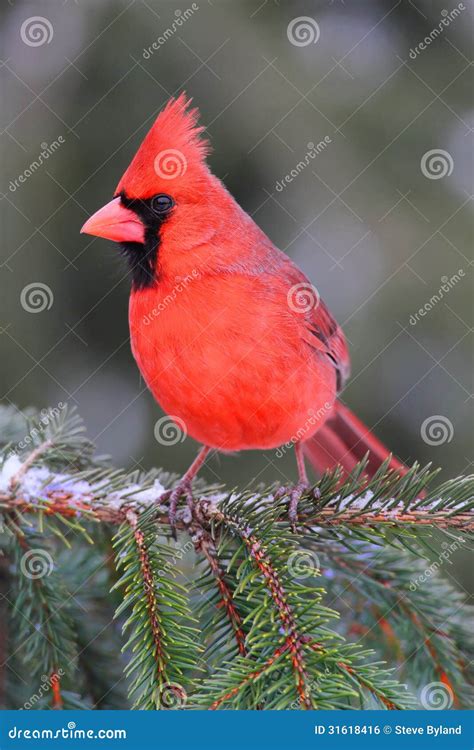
[228, 333]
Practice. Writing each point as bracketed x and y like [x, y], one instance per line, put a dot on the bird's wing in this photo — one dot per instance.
[323, 328]
[320, 330]
[280, 275]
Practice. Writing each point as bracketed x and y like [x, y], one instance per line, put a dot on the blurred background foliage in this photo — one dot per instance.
[372, 232]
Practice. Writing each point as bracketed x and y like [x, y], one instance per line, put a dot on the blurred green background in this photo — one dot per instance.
[372, 229]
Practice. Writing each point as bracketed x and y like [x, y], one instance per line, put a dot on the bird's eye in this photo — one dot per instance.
[162, 203]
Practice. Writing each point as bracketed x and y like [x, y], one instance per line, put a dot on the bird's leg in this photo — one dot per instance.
[183, 488]
[295, 492]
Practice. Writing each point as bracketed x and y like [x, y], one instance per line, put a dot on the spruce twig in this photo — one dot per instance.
[267, 640]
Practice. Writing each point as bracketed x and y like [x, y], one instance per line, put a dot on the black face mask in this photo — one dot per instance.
[141, 257]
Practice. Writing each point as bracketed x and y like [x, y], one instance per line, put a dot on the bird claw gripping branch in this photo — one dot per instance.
[172, 497]
[295, 493]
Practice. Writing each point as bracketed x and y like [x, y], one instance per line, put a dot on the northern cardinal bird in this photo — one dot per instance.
[230, 336]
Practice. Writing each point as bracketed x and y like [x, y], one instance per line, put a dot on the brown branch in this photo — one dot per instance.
[68, 505]
[293, 639]
[427, 634]
[442, 519]
[28, 463]
[354, 673]
[390, 705]
[285, 612]
[205, 544]
[378, 694]
[251, 676]
[55, 681]
[389, 632]
[57, 701]
[149, 591]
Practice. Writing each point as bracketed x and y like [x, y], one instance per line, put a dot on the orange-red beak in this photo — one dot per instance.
[115, 222]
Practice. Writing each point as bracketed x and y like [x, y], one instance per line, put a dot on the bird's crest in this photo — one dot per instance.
[172, 155]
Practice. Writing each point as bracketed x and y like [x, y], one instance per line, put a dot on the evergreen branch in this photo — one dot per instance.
[259, 555]
[442, 520]
[150, 593]
[389, 704]
[43, 629]
[63, 503]
[31, 459]
[253, 675]
[420, 616]
[384, 504]
[297, 624]
[267, 632]
[293, 639]
[5, 585]
[89, 572]
[204, 543]
[71, 507]
[389, 500]
[364, 681]
[339, 677]
[162, 642]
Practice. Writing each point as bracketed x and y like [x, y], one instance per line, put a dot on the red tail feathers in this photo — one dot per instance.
[344, 440]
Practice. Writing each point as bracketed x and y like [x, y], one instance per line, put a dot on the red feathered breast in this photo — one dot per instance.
[225, 354]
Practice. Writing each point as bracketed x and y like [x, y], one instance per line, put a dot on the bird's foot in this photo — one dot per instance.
[172, 497]
[294, 493]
